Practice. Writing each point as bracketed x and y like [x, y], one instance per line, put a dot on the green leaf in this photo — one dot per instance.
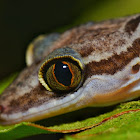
[125, 126]
[19, 131]
[6, 82]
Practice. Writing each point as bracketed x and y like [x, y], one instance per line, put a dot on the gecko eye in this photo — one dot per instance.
[61, 74]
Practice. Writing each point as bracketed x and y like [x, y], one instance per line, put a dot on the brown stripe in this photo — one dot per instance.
[86, 51]
[131, 26]
[114, 63]
[37, 96]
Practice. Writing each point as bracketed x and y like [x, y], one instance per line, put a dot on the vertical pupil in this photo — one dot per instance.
[62, 73]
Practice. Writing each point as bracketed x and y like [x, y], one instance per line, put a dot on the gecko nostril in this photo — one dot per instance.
[135, 68]
[1, 108]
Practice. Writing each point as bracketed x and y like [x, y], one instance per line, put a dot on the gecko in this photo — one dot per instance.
[94, 64]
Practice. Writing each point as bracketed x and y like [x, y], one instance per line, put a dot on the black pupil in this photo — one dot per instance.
[62, 73]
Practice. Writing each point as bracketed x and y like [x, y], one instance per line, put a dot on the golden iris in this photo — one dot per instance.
[61, 75]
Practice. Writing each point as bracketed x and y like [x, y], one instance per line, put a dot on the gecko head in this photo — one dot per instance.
[40, 92]
[107, 73]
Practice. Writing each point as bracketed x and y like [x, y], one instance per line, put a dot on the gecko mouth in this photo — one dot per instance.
[46, 110]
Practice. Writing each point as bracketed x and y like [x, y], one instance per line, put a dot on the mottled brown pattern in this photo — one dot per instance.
[20, 82]
[132, 25]
[114, 63]
[37, 96]
[84, 35]
[87, 51]
[100, 46]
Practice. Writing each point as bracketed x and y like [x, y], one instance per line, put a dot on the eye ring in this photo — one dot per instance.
[62, 71]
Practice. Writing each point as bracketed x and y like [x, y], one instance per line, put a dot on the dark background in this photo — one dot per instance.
[23, 20]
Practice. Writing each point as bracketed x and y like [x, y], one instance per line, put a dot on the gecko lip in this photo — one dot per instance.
[43, 114]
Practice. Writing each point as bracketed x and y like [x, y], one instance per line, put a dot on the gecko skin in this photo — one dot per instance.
[110, 51]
